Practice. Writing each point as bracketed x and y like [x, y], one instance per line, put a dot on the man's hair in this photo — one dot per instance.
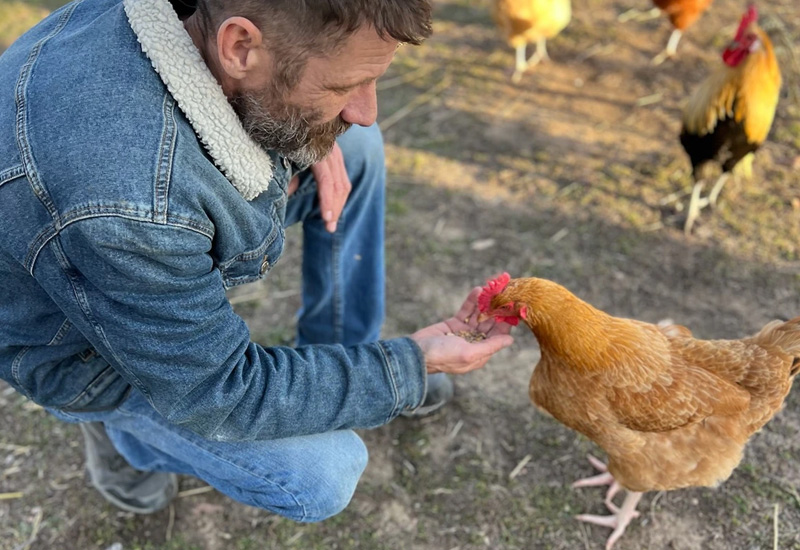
[298, 29]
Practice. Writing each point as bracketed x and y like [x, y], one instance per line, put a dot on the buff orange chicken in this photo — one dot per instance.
[526, 21]
[670, 410]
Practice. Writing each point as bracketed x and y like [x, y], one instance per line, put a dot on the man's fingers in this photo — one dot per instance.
[493, 344]
[333, 187]
[469, 309]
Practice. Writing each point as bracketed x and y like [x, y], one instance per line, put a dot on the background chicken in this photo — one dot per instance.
[671, 411]
[729, 116]
[525, 21]
[682, 14]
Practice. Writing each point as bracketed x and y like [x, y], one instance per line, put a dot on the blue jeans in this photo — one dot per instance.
[306, 478]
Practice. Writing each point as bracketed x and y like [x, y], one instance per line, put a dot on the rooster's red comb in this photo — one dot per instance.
[750, 16]
[493, 288]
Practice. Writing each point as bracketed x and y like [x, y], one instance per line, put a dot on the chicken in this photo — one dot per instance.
[729, 116]
[682, 14]
[670, 410]
[525, 21]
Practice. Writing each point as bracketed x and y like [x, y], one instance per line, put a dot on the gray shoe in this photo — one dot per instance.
[440, 392]
[120, 483]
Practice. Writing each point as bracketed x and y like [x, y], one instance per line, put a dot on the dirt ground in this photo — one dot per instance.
[574, 174]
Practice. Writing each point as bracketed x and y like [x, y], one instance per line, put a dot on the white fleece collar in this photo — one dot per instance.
[178, 62]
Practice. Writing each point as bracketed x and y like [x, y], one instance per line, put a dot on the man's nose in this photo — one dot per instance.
[362, 109]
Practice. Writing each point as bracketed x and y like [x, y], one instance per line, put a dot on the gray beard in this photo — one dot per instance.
[287, 130]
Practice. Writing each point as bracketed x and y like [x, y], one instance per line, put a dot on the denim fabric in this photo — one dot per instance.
[119, 236]
[307, 478]
[343, 272]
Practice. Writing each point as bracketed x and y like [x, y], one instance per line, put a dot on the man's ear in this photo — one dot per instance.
[239, 49]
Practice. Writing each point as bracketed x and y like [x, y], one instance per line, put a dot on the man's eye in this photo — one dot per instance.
[344, 90]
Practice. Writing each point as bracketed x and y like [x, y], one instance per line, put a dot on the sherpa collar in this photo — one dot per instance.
[179, 64]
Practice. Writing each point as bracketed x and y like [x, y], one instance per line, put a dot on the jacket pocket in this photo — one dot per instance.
[105, 391]
[254, 264]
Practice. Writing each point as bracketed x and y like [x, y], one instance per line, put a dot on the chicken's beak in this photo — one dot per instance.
[483, 316]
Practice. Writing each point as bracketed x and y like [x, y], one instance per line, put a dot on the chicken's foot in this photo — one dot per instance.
[697, 203]
[622, 516]
[523, 64]
[540, 53]
[634, 14]
[671, 49]
[619, 521]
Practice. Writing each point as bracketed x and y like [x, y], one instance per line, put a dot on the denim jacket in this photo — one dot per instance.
[130, 199]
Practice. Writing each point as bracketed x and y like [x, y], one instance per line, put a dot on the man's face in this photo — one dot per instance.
[333, 93]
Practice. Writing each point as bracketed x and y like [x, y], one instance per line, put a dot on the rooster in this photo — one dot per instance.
[729, 116]
[670, 410]
[525, 21]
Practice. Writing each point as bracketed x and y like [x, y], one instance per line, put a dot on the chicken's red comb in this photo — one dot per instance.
[750, 16]
[493, 288]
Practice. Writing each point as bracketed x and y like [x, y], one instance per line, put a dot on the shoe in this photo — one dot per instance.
[120, 483]
[440, 392]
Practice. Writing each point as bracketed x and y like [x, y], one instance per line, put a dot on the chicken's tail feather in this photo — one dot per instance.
[784, 335]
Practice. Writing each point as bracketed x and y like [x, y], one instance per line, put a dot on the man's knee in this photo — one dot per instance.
[328, 488]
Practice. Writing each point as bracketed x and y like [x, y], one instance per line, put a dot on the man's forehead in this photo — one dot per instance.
[362, 58]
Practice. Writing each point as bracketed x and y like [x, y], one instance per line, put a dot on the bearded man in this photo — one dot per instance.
[151, 157]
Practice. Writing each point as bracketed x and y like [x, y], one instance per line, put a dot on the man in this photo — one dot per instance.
[147, 163]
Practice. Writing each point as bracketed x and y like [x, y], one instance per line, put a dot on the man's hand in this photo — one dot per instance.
[333, 186]
[446, 350]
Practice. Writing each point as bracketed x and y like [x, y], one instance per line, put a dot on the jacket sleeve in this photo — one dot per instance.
[149, 298]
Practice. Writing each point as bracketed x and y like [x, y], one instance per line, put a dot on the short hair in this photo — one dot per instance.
[298, 29]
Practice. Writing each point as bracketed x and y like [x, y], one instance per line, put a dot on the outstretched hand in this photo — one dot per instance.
[445, 344]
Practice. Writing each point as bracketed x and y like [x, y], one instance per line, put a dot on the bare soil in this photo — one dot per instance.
[574, 174]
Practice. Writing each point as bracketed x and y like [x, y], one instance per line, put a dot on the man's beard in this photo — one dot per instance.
[289, 130]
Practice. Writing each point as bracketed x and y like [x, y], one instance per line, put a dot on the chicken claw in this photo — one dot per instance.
[622, 516]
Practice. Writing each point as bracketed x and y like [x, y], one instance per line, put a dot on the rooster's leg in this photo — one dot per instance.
[670, 50]
[695, 205]
[715, 191]
[521, 63]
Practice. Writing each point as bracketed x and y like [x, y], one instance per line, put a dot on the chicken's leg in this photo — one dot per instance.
[540, 53]
[671, 49]
[715, 191]
[622, 516]
[695, 205]
[521, 63]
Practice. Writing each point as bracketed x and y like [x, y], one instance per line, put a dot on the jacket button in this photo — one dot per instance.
[264, 265]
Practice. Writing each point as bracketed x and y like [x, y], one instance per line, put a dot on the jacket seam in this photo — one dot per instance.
[20, 93]
[83, 304]
[11, 174]
[49, 232]
[15, 369]
[387, 361]
[167, 153]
